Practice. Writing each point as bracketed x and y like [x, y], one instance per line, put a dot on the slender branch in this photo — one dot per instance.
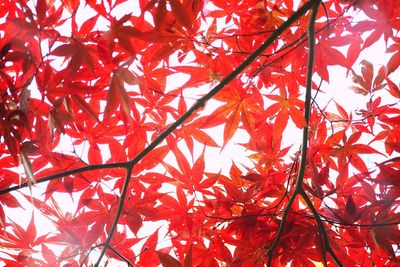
[294, 44]
[88, 253]
[128, 262]
[200, 103]
[280, 229]
[345, 225]
[303, 162]
[117, 215]
[67, 173]
[299, 183]
[307, 102]
[321, 228]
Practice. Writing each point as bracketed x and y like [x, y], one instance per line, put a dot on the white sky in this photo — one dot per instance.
[217, 160]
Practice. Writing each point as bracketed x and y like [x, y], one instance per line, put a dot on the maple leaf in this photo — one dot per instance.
[388, 174]
[349, 214]
[288, 104]
[148, 250]
[366, 83]
[394, 61]
[22, 239]
[95, 106]
[381, 25]
[377, 235]
[184, 12]
[117, 92]
[125, 34]
[393, 88]
[327, 55]
[348, 153]
[237, 111]
[78, 54]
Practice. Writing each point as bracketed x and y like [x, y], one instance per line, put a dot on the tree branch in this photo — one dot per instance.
[67, 173]
[303, 162]
[321, 227]
[200, 103]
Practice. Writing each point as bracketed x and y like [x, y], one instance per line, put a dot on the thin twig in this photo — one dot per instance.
[121, 256]
[88, 253]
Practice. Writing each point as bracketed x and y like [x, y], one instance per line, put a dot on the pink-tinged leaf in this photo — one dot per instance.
[86, 197]
[69, 184]
[48, 255]
[393, 88]
[354, 50]
[52, 187]
[394, 63]
[367, 71]
[380, 77]
[95, 232]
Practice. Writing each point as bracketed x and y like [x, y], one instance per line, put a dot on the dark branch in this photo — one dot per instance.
[67, 173]
[200, 103]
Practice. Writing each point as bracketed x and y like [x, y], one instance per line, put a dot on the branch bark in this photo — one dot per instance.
[299, 190]
[67, 173]
[200, 103]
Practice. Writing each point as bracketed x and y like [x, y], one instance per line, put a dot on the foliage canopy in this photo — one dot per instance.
[105, 103]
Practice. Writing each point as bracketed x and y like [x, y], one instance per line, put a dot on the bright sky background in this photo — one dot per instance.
[338, 89]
